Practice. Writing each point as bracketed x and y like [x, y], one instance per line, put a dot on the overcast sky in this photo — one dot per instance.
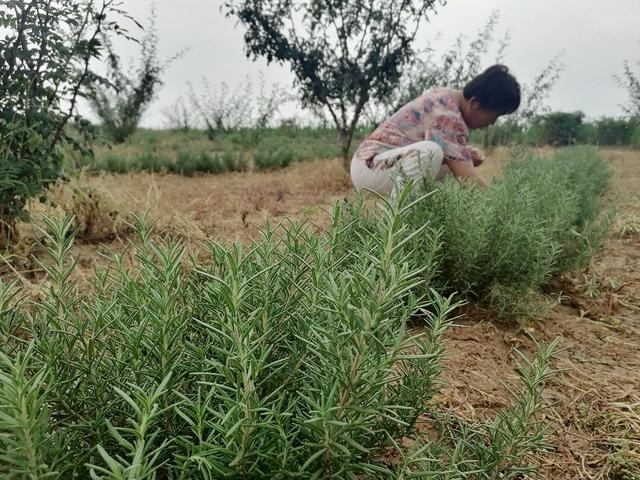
[596, 37]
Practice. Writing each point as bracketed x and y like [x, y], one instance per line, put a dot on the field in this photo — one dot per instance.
[592, 399]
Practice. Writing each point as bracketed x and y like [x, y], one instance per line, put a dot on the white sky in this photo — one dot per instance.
[595, 36]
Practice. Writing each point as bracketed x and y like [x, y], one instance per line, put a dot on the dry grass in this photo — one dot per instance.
[223, 206]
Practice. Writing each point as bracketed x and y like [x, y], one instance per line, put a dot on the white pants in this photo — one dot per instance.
[413, 161]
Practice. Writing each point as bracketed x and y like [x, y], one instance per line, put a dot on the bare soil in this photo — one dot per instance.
[593, 399]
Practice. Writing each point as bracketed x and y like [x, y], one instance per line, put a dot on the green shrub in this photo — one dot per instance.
[559, 128]
[491, 449]
[538, 219]
[120, 100]
[188, 163]
[151, 162]
[280, 157]
[292, 358]
[112, 163]
[234, 161]
[48, 50]
[614, 131]
[214, 369]
[635, 135]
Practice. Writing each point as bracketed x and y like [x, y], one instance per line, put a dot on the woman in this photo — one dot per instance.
[429, 135]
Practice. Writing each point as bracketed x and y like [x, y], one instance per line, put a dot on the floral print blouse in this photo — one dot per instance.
[433, 116]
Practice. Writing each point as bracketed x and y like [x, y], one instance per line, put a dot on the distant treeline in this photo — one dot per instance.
[562, 128]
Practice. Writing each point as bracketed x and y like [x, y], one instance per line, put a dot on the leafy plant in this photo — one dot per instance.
[539, 218]
[179, 368]
[615, 131]
[189, 163]
[499, 448]
[264, 159]
[46, 51]
[560, 128]
[342, 54]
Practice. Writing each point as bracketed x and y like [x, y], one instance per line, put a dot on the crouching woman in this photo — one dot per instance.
[429, 135]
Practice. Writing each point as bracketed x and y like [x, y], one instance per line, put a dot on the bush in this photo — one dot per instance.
[151, 162]
[181, 369]
[539, 218]
[113, 163]
[189, 163]
[635, 136]
[559, 128]
[46, 52]
[492, 449]
[96, 215]
[120, 102]
[234, 161]
[614, 131]
[285, 385]
[264, 159]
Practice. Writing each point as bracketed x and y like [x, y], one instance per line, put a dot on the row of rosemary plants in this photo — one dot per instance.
[543, 216]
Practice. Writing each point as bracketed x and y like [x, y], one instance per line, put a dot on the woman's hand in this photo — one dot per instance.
[466, 169]
[477, 156]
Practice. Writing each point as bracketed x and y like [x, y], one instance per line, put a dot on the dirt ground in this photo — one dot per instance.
[593, 398]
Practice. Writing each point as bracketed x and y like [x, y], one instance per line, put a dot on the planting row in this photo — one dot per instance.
[540, 218]
[189, 163]
[188, 152]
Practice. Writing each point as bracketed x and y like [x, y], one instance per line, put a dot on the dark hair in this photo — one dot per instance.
[495, 89]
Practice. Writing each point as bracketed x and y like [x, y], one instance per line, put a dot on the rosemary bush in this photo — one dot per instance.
[292, 358]
[491, 449]
[268, 362]
[280, 157]
[539, 218]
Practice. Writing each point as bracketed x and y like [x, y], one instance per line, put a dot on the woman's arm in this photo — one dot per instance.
[466, 170]
[448, 130]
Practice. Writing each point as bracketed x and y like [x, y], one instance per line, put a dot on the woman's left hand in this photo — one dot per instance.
[477, 156]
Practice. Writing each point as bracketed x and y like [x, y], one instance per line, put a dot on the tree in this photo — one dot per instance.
[45, 52]
[342, 53]
[631, 82]
[121, 103]
[559, 128]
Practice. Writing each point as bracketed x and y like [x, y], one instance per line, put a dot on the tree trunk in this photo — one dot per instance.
[345, 143]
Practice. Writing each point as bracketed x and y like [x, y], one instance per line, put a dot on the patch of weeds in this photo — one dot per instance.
[624, 465]
[627, 225]
[96, 217]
